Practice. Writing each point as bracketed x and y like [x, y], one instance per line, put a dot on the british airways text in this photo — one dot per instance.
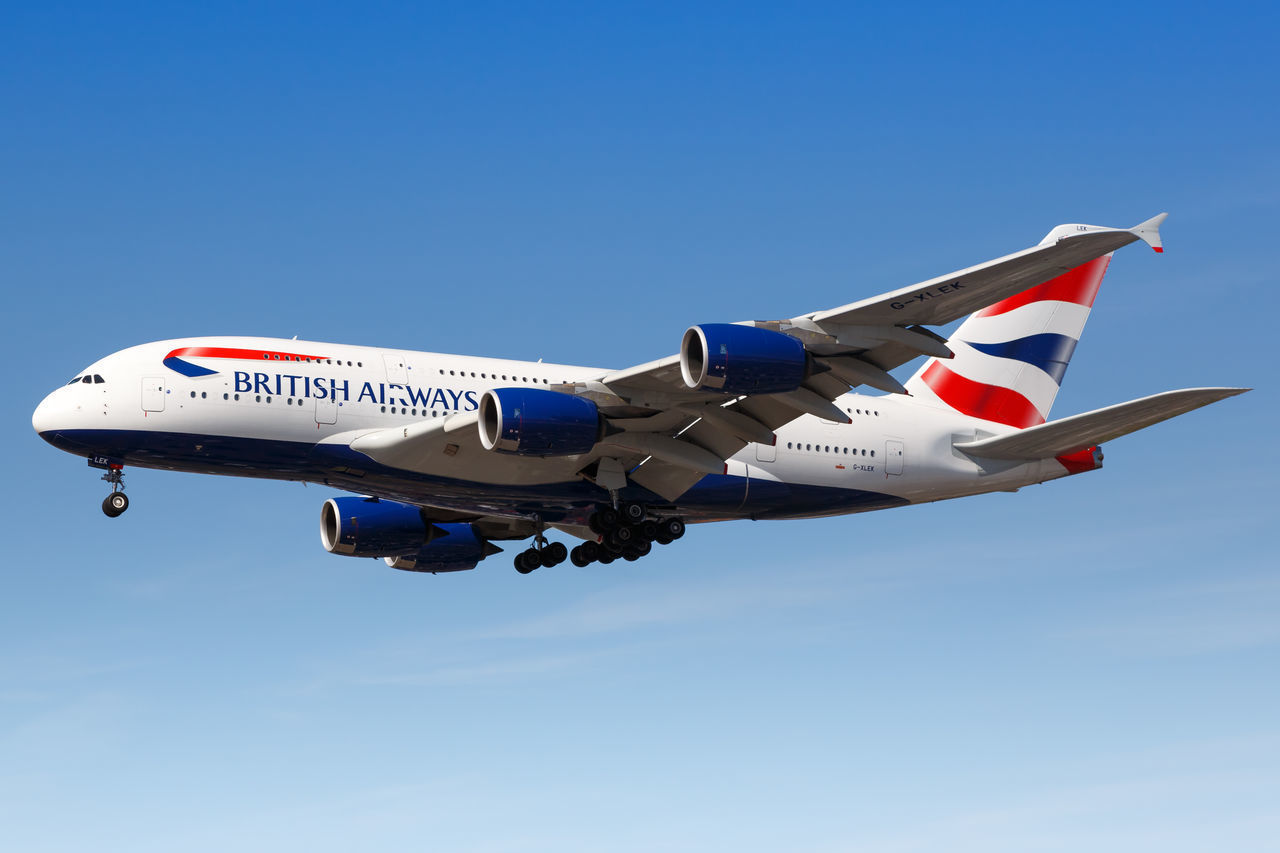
[323, 388]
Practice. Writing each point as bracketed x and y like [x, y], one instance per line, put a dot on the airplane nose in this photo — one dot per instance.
[42, 417]
[50, 416]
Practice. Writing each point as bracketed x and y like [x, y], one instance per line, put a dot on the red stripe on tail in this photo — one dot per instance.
[1079, 285]
[989, 402]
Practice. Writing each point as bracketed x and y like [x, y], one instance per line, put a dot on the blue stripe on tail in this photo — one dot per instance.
[1049, 352]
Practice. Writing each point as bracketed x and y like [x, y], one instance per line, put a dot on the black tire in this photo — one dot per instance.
[607, 518]
[624, 535]
[673, 527]
[553, 554]
[642, 548]
[576, 557]
[663, 539]
[648, 531]
[590, 551]
[632, 512]
[605, 557]
[115, 504]
[593, 522]
[527, 561]
[631, 555]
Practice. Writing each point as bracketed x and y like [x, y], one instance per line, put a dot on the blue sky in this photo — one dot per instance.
[1089, 664]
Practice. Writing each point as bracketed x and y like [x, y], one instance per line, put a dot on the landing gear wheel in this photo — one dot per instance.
[576, 557]
[642, 548]
[662, 538]
[553, 554]
[648, 530]
[606, 518]
[590, 551]
[527, 561]
[606, 557]
[115, 504]
[632, 512]
[673, 527]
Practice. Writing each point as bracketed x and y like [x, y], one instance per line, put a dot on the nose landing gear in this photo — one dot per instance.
[117, 502]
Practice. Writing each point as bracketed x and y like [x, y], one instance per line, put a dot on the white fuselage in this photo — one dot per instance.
[294, 413]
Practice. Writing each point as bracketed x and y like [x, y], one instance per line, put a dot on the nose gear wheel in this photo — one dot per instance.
[117, 502]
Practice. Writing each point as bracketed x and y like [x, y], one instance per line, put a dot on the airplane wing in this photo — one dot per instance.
[852, 345]
[665, 429]
[1080, 432]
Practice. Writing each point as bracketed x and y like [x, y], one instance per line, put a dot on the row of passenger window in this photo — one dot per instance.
[290, 401]
[863, 412]
[269, 356]
[534, 381]
[827, 448]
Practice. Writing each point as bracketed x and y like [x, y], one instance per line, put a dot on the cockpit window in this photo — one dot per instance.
[88, 380]
[74, 381]
[98, 380]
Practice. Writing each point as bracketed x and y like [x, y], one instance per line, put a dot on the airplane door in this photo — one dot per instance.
[766, 452]
[153, 394]
[326, 410]
[893, 456]
[396, 371]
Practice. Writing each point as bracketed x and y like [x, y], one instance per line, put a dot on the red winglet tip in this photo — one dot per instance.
[1159, 249]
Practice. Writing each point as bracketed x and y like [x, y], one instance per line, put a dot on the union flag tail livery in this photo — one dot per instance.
[752, 420]
[1010, 357]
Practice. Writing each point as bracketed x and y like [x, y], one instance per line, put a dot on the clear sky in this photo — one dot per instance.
[1092, 664]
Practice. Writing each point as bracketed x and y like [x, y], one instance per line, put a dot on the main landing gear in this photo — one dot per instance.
[625, 533]
[117, 502]
[543, 554]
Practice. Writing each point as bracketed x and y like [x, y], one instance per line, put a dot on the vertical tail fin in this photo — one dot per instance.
[1011, 356]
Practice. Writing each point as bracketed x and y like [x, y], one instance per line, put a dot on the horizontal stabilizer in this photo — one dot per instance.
[1079, 432]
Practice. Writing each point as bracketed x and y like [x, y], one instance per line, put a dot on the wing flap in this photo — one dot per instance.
[1079, 432]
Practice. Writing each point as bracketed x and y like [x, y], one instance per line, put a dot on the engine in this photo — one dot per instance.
[742, 359]
[453, 548]
[367, 527]
[537, 422]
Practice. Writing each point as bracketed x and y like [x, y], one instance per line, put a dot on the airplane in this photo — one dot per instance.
[448, 454]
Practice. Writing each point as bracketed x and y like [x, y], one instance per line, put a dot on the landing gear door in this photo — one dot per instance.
[153, 394]
[893, 456]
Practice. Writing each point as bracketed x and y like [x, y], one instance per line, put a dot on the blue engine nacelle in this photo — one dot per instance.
[538, 422]
[452, 548]
[367, 527]
[742, 360]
